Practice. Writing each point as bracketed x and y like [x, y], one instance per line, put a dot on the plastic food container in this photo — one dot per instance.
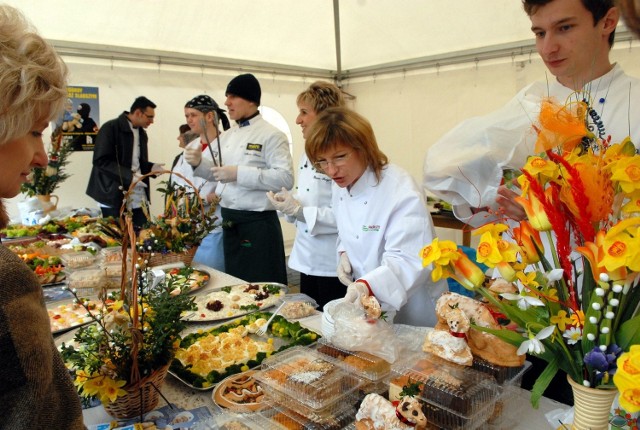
[312, 378]
[88, 281]
[112, 269]
[362, 364]
[343, 404]
[278, 418]
[111, 255]
[298, 306]
[453, 396]
[76, 260]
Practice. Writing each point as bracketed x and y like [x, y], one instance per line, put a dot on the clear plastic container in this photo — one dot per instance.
[277, 399]
[280, 417]
[314, 379]
[88, 281]
[112, 269]
[298, 306]
[111, 254]
[231, 420]
[502, 374]
[453, 396]
[364, 365]
[77, 260]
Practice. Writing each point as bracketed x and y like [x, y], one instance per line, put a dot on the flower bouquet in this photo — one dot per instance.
[176, 234]
[122, 358]
[44, 180]
[575, 294]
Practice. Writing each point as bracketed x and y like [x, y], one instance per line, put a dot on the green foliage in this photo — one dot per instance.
[44, 180]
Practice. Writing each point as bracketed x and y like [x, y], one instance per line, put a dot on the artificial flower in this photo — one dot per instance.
[534, 345]
[573, 335]
[523, 298]
[627, 379]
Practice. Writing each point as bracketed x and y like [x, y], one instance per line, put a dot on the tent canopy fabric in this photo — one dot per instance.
[314, 37]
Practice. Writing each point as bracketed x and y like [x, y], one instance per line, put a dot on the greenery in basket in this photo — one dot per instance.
[102, 354]
[44, 180]
[291, 332]
[182, 225]
[575, 296]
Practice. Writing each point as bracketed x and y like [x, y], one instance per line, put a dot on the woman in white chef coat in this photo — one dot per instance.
[309, 207]
[382, 218]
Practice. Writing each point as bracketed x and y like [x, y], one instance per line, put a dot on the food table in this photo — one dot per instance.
[179, 394]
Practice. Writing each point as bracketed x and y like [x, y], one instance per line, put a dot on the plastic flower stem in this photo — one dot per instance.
[563, 293]
[557, 337]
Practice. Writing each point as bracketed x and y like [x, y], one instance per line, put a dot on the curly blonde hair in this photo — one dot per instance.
[321, 95]
[33, 77]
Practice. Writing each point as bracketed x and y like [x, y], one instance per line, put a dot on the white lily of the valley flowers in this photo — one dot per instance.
[533, 345]
[524, 300]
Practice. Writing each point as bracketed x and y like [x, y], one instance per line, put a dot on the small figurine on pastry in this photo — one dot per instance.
[360, 293]
[378, 413]
[451, 344]
[482, 344]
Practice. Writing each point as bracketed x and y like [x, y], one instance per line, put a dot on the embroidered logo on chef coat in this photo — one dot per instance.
[254, 147]
[370, 228]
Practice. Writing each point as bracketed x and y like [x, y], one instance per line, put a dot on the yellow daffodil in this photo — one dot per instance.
[633, 205]
[111, 390]
[440, 254]
[627, 379]
[620, 248]
[626, 172]
[528, 279]
[542, 168]
[93, 385]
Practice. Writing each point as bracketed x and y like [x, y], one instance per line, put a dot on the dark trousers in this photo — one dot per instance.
[253, 246]
[139, 219]
[322, 289]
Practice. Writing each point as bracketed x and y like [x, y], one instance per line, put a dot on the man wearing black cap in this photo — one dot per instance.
[255, 158]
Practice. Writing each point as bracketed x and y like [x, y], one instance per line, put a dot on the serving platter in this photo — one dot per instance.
[187, 275]
[68, 315]
[235, 301]
[206, 357]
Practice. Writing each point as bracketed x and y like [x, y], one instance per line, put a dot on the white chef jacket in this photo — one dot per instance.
[382, 227]
[314, 248]
[465, 167]
[264, 162]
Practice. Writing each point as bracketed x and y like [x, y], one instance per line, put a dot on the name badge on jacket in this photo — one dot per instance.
[254, 147]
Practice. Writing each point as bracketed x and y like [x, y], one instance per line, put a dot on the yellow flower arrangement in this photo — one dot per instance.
[102, 354]
[575, 260]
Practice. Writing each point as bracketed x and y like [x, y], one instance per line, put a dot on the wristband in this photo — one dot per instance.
[368, 286]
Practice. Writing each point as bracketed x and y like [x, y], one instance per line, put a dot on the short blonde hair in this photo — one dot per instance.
[33, 77]
[321, 95]
[341, 125]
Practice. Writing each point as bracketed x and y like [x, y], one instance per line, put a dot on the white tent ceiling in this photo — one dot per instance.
[323, 38]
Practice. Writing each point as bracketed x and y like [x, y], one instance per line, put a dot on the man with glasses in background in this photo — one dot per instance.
[120, 157]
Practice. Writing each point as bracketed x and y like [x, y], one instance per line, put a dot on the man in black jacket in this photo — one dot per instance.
[120, 157]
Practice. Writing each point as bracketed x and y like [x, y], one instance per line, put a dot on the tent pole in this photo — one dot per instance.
[336, 24]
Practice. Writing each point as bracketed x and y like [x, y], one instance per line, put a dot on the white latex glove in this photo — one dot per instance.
[225, 174]
[355, 291]
[345, 273]
[157, 167]
[193, 154]
[285, 203]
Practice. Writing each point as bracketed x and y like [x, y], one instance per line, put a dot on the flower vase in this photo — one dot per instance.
[45, 201]
[592, 406]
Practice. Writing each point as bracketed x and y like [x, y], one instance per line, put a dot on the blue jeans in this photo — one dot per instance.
[210, 252]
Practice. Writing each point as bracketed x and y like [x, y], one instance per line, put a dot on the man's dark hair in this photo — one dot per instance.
[142, 103]
[598, 9]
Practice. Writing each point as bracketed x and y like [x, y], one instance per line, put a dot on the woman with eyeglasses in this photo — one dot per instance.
[309, 207]
[382, 218]
[36, 391]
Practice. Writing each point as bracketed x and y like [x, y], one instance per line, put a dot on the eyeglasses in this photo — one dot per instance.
[148, 116]
[338, 161]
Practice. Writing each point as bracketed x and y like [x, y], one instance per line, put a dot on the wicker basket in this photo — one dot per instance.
[158, 259]
[140, 398]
